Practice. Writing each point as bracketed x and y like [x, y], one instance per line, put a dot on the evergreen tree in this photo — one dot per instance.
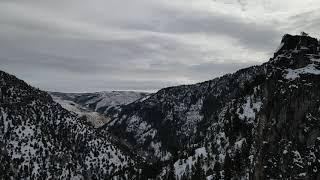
[198, 173]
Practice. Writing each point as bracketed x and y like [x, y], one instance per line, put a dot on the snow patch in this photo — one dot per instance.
[295, 73]
[145, 98]
[280, 46]
[315, 59]
[201, 151]
[239, 144]
[181, 165]
[249, 110]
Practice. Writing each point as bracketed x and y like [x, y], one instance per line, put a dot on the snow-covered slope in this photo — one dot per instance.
[41, 140]
[92, 106]
[94, 118]
[101, 101]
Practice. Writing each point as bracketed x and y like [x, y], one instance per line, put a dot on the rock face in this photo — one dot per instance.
[262, 122]
[299, 43]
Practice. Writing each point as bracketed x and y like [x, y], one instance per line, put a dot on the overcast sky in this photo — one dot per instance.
[96, 45]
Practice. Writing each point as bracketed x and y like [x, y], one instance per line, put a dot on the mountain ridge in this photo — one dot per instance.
[261, 122]
[177, 118]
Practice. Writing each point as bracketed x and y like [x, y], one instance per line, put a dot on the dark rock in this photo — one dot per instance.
[305, 43]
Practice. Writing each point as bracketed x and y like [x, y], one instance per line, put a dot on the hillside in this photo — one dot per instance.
[41, 140]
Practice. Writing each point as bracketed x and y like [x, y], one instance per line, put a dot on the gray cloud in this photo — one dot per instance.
[254, 35]
[136, 45]
[157, 78]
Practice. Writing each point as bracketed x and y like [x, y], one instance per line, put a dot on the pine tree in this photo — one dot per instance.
[198, 173]
[171, 174]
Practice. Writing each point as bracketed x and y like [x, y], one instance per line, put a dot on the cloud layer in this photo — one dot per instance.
[142, 44]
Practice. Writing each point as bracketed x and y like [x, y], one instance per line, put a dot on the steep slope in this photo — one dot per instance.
[261, 122]
[41, 140]
[287, 134]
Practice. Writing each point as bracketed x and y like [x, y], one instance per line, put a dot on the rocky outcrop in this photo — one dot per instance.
[305, 43]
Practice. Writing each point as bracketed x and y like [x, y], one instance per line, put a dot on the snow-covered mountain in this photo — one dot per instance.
[92, 106]
[101, 101]
[41, 140]
[262, 122]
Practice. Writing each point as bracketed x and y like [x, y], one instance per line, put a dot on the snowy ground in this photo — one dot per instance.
[295, 73]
